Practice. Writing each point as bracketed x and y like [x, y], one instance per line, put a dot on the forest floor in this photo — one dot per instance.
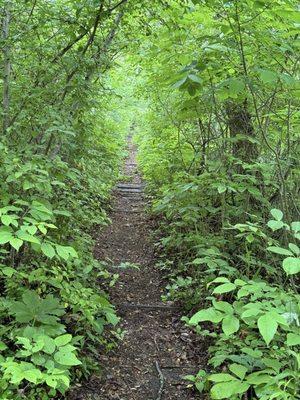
[157, 349]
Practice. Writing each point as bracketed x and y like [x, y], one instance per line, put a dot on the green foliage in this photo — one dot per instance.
[218, 134]
[60, 151]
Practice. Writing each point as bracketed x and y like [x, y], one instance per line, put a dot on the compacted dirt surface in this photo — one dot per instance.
[157, 349]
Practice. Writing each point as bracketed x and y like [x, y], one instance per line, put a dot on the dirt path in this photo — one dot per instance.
[157, 349]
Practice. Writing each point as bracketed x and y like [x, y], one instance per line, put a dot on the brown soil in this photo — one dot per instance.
[157, 349]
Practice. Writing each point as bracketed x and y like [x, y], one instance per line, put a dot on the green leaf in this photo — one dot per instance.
[295, 249]
[33, 375]
[62, 252]
[48, 249]
[223, 306]
[27, 185]
[210, 314]
[296, 226]
[275, 225]
[267, 327]
[27, 237]
[16, 243]
[5, 235]
[220, 279]
[279, 250]
[277, 214]
[195, 78]
[222, 377]
[238, 370]
[112, 318]
[222, 189]
[225, 288]
[230, 325]
[226, 390]
[65, 357]
[63, 340]
[291, 265]
[2, 346]
[8, 271]
[179, 83]
[6, 220]
[293, 339]
[51, 381]
[258, 378]
[268, 76]
[49, 345]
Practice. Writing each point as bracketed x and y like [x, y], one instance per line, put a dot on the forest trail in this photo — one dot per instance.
[156, 351]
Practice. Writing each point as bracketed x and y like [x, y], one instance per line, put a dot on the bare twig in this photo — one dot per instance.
[161, 380]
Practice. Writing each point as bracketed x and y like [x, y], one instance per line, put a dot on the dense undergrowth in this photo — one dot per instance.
[62, 142]
[219, 147]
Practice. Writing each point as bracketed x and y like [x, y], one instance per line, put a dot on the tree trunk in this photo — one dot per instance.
[241, 129]
[6, 66]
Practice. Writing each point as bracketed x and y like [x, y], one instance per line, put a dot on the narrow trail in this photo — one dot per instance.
[157, 350]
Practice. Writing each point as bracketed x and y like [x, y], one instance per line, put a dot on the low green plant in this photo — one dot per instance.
[258, 329]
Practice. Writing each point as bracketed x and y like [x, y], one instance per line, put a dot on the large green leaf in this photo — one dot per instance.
[227, 390]
[230, 325]
[65, 356]
[291, 265]
[224, 288]
[267, 326]
[48, 249]
[210, 314]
